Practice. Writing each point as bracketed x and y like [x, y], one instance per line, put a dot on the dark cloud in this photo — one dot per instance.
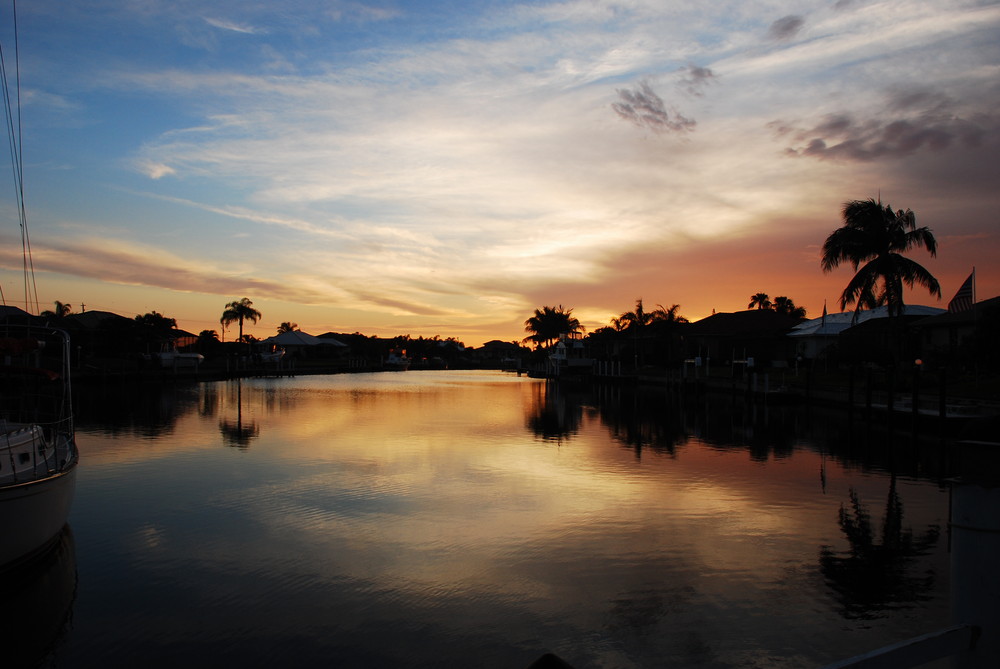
[696, 78]
[786, 27]
[916, 120]
[646, 109]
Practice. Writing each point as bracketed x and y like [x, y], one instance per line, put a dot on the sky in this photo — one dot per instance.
[444, 168]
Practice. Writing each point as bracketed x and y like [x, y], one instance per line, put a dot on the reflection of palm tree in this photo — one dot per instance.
[872, 576]
[877, 236]
[555, 416]
[548, 323]
[239, 311]
[238, 434]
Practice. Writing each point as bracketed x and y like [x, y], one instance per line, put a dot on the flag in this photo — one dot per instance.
[964, 297]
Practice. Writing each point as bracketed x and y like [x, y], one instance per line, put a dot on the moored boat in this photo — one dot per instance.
[38, 453]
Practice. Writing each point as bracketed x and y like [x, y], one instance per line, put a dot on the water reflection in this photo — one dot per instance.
[419, 508]
[874, 576]
[238, 432]
[37, 605]
[555, 412]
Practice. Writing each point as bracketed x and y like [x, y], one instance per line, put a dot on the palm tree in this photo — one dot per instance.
[286, 326]
[668, 315]
[60, 310]
[155, 319]
[877, 237]
[637, 318]
[761, 300]
[785, 305]
[239, 310]
[548, 323]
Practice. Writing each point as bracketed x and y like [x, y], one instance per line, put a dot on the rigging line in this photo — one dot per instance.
[31, 291]
[11, 136]
[15, 137]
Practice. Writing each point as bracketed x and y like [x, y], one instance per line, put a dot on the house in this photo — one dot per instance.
[959, 338]
[818, 337]
[302, 344]
[755, 334]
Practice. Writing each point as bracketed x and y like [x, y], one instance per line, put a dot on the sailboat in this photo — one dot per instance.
[38, 452]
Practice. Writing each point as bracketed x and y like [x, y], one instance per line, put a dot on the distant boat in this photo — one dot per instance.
[396, 362]
[173, 359]
[38, 453]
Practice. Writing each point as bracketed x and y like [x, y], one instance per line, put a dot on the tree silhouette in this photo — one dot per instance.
[239, 311]
[156, 320]
[640, 318]
[286, 326]
[59, 310]
[875, 237]
[875, 576]
[785, 305]
[548, 323]
[760, 300]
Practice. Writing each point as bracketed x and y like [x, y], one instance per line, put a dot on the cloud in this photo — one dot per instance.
[918, 120]
[153, 169]
[697, 78]
[785, 28]
[222, 24]
[643, 107]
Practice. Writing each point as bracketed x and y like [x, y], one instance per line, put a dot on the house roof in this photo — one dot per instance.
[299, 338]
[751, 322]
[834, 324]
[13, 312]
[91, 320]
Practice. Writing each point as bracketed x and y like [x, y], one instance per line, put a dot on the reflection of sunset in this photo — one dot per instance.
[432, 487]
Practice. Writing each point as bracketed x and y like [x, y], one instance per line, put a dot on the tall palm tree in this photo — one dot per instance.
[239, 310]
[59, 310]
[875, 238]
[548, 323]
[760, 300]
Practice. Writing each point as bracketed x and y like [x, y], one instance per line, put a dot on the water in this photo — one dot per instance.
[427, 519]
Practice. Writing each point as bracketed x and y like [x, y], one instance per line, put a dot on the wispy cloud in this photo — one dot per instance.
[643, 107]
[231, 26]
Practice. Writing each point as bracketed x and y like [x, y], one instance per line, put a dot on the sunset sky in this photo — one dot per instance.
[443, 168]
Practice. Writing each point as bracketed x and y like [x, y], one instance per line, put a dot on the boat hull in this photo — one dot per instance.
[33, 513]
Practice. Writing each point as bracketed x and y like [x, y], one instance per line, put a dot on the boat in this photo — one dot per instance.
[175, 359]
[38, 452]
[396, 361]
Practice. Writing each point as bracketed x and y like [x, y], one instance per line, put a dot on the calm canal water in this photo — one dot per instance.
[479, 519]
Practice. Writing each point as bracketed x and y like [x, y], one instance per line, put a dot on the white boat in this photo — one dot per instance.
[38, 453]
[173, 359]
[396, 362]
